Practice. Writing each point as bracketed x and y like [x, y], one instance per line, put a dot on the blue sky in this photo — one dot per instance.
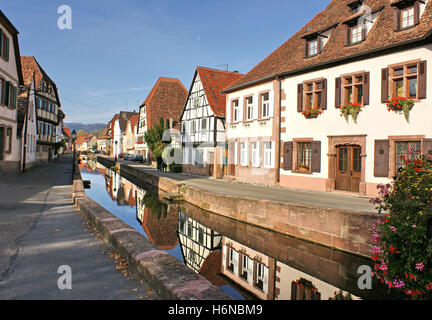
[116, 50]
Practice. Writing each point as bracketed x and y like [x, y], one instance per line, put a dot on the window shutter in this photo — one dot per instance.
[236, 153]
[364, 31]
[255, 105]
[338, 93]
[250, 271]
[6, 94]
[366, 88]
[384, 85]
[422, 80]
[266, 280]
[224, 256]
[271, 104]
[381, 161]
[324, 95]
[300, 97]
[258, 154]
[7, 49]
[346, 34]
[396, 20]
[306, 47]
[14, 97]
[319, 44]
[316, 156]
[427, 146]
[293, 290]
[288, 155]
[417, 12]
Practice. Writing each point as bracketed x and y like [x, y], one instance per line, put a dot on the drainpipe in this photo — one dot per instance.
[25, 132]
[278, 142]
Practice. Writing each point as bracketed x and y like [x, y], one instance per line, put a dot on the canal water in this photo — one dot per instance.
[245, 261]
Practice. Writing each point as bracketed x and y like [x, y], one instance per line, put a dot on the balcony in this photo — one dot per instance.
[45, 138]
[47, 115]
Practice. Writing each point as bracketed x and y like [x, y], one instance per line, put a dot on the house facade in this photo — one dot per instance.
[354, 55]
[203, 122]
[27, 125]
[130, 135]
[10, 80]
[165, 100]
[119, 127]
[49, 116]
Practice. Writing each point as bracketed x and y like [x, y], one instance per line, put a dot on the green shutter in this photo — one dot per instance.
[1, 42]
[7, 49]
[6, 94]
[14, 97]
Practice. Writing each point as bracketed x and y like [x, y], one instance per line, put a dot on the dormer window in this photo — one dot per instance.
[355, 6]
[406, 14]
[355, 32]
[313, 47]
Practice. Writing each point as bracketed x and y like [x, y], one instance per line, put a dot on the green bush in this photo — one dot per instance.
[403, 237]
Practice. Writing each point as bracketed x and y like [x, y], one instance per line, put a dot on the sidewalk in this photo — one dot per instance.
[40, 230]
[238, 189]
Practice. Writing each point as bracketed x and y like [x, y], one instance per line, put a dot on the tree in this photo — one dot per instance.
[82, 133]
[153, 138]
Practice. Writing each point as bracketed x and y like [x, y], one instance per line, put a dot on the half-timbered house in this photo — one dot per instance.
[203, 122]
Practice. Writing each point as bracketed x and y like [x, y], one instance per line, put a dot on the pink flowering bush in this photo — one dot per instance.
[403, 235]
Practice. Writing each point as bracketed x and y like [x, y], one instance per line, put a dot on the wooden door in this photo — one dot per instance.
[348, 168]
[231, 165]
[211, 163]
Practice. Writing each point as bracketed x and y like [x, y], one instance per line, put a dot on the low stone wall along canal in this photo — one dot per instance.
[242, 260]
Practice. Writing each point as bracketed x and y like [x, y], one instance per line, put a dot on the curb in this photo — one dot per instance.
[169, 277]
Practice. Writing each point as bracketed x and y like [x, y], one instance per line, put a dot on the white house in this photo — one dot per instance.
[10, 80]
[359, 52]
[203, 122]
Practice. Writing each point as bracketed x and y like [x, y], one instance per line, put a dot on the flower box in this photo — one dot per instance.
[312, 113]
[400, 104]
[352, 109]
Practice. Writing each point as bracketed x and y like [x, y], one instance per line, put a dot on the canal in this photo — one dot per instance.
[245, 261]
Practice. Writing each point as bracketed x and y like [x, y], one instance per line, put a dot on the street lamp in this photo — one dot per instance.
[73, 137]
[115, 152]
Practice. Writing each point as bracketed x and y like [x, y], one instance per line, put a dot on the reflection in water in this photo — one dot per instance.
[245, 261]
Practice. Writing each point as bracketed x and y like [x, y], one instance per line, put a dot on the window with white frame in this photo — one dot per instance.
[236, 111]
[235, 153]
[313, 47]
[243, 154]
[255, 154]
[268, 154]
[231, 260]
[356, 34]
[407, 17]
[265, 105]
[245, 266]
[249, 108]
[260, 276]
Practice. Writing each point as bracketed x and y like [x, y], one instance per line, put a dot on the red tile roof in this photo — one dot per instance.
[81, 139]
[289, 57]
[134, 121]
[67, 131]
[30, 66]
[214, 81]
[166, 100]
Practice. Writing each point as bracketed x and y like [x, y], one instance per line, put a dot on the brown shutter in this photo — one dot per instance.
[319, 44]
[427, 146]
[364, 31]
[381, 162]
[396, 19]
[293, 290]
[316, 156]
[422, 80]
[417, 12]
[346, 34]
[306, 47]
[366, 88]
[300, 97]
[324, 95]
[288, 155]
[384, 85]
[338, 93]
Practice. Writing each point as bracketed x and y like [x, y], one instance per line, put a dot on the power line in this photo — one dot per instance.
[87, 105]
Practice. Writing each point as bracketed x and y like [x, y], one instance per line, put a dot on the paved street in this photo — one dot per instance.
[322, 199]
[40, 231]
